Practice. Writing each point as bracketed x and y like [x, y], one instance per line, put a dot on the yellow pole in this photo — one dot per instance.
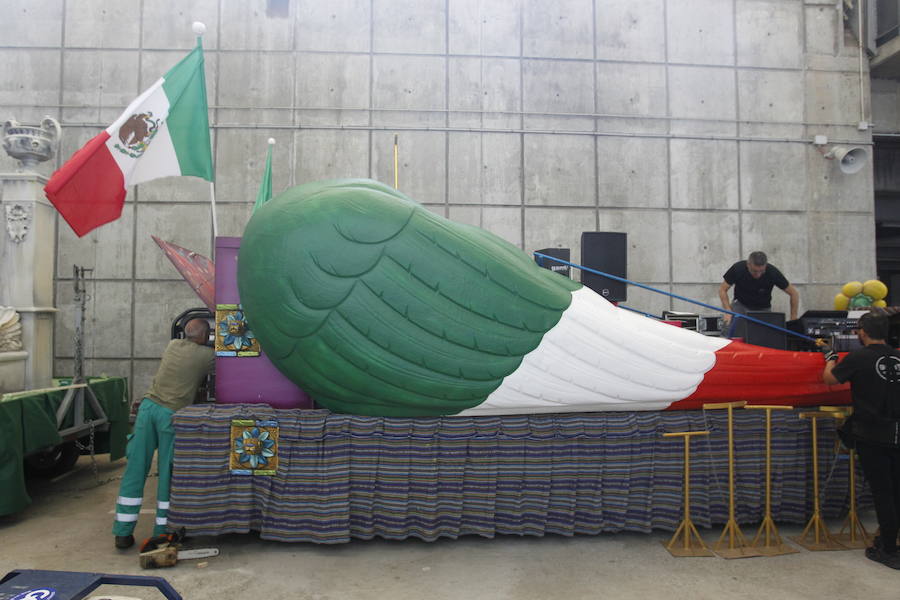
[730, 473]
[687, 488]
[815, 449]
[853, 491]
[768, 469]
[774, 545]
[396, 163]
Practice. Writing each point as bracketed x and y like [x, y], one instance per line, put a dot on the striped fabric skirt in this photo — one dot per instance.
[330, 477]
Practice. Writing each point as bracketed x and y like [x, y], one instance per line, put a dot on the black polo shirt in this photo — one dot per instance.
[874, 388]
[755, 294]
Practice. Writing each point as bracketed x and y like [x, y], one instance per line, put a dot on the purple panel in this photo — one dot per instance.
[226, 270]
[247, 379]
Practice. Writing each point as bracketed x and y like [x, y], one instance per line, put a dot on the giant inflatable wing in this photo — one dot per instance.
[376, 306]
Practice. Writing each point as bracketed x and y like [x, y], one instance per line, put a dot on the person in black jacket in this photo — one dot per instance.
[874, 375]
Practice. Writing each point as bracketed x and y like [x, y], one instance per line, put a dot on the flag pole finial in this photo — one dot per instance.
[271, 141]
[198, 28]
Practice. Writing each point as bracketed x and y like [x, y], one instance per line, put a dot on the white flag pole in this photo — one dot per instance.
[212, 203]
[199, 29]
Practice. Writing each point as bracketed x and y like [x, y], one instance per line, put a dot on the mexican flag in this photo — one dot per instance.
[163, 132]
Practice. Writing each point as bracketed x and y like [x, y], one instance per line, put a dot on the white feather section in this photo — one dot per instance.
[600, 357]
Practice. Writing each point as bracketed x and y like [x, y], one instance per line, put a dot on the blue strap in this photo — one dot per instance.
[676, 296]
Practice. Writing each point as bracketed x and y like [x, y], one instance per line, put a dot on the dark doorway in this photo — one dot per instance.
[886, 156]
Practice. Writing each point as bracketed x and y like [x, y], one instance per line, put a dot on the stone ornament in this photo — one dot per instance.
[31, 144]
[10, 330]
[18, 221]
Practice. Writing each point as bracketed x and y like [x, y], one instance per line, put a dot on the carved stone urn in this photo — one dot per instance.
[31, 144]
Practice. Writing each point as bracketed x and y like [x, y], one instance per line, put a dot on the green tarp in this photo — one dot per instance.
[28, 424]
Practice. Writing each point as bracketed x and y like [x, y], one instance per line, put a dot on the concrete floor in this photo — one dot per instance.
[67, 527]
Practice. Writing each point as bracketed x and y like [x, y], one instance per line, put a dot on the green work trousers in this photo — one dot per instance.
[152, 430]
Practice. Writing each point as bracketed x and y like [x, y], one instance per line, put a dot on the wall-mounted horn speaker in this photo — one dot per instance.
[850, 159]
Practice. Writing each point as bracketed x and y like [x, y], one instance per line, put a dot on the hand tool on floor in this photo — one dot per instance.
[165, 550]
[168, 556]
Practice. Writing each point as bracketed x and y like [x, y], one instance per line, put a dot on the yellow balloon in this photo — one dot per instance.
[841, 302]
[851, 289]
[875, 289]
[879, 303]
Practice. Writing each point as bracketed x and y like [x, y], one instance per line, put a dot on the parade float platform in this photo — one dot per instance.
[337, 477]
[28, 424]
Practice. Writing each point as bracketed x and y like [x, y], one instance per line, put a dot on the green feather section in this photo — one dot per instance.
[375, 306]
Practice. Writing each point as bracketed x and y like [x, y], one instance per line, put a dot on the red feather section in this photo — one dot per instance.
[765, 376]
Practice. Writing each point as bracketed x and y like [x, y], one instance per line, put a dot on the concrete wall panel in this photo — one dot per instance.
[409, 26]
[832, 97]
[822, 29]
[107, 249]
[156, 304]
[330, 154]
[175, 190]
[704, 97]
[102, 24]
[484, 168]
[241, 162]
[167, 25]
[336, 81]
[95, 367]
[772, 102]
[648, 301]
[485, 92]
[707, 293]
[555, 88]
[561, 29]
[107, 319]
[704, 245]
[832, 190]
[29, 83]
[704, 173]
[558, 228]
[423, 163]
[29, 23]
[337, 25]
[99, 83]
[264, 96]
[408, 100]
[773, 176]
[143, 371]
[628, 30]
[247, 26]
[559, 170]
[503, 221]
[630, 89]
[769, 33]
[833, 235]
[783, 237]
[188, 225]
[648, 241]
[485, 27]
[233, 218]
[632, 172]
[700, 32]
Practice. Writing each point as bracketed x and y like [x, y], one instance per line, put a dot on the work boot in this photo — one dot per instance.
[891, 560]
[123, 542]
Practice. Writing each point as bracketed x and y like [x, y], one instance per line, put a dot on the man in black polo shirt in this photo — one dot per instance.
[753, 281]
[874, 375]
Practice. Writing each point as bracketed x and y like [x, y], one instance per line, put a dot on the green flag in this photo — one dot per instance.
[265, 186]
